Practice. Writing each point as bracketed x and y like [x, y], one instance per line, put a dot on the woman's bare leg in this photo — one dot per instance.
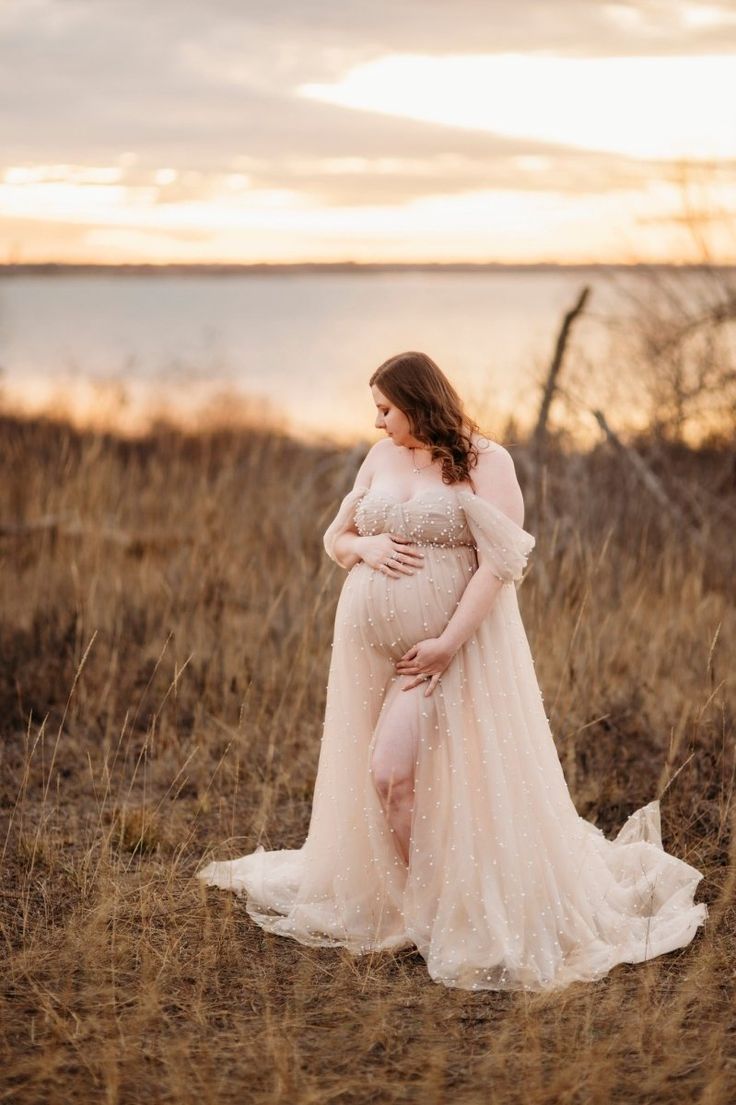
[393, 764]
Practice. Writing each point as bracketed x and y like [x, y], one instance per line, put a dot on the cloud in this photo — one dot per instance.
[84, 76]
[209, 91]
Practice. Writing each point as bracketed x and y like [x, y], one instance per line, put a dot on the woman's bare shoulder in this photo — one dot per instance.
[495, 464]
[384, 456]
[485, 446]
[376, 460]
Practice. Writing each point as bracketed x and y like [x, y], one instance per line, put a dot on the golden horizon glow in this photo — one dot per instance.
[667, 125]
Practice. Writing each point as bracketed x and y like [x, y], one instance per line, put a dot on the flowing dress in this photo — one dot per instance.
[507, 887]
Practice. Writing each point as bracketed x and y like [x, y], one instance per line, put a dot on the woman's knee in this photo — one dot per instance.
[394, 782]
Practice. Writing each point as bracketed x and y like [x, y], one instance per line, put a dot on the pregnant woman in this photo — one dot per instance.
[441, 818]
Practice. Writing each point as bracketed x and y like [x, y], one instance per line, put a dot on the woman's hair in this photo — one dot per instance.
[434, 409]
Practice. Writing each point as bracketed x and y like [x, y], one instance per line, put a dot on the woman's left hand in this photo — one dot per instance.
[426, 658]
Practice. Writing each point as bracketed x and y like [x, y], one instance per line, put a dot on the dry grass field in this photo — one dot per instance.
[167, 611]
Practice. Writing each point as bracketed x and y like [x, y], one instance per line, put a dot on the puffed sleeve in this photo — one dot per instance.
[500, 541]
[342, 521]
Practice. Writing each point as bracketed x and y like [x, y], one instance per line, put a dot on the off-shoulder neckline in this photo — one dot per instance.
[424, 493]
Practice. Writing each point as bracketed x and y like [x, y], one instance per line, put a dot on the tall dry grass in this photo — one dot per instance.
[165, 642]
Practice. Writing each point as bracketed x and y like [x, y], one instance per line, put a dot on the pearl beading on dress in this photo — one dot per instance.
[468, 520]
[506, 886]
[370, 519]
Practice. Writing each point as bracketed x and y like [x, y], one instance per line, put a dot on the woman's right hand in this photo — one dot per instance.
[391, 554]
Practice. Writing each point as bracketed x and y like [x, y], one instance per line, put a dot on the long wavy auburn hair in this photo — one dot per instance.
[437, 417]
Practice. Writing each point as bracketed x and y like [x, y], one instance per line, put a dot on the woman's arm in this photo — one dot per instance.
[343, 547]
[495, 480]
[346, 549]
[474, 605]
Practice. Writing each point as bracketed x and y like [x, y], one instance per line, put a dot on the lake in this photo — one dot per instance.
[295, 348]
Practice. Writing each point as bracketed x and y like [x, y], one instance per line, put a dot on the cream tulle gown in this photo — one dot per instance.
[507, 887]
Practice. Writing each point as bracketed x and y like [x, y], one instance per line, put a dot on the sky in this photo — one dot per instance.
[513, 131]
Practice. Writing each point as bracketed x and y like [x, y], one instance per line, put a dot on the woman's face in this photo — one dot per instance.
[393, 420]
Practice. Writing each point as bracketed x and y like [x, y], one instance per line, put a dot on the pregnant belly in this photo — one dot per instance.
[392, 614]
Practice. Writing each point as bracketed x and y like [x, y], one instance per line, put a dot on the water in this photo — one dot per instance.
[302, 347]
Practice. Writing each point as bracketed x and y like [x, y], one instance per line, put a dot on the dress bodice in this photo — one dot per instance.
[437, 517]
[431, 517]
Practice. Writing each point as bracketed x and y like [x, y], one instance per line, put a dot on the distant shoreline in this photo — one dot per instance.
[59, 268]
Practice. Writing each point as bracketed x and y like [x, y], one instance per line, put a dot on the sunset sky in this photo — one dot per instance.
[332, 130]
